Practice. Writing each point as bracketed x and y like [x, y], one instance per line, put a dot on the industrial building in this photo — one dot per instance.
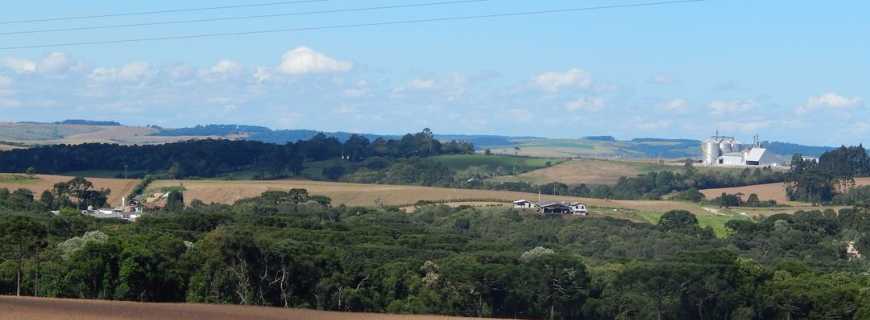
[727, 151]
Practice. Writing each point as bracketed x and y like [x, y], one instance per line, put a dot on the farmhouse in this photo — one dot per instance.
[524, 204]
[548, 208]
[554, 208]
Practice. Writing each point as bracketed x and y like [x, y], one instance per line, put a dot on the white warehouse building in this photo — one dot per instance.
[726, 151]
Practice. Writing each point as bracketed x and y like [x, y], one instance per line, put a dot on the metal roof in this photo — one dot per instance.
[755, 154]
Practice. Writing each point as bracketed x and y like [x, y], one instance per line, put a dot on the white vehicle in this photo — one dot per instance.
[579, 209]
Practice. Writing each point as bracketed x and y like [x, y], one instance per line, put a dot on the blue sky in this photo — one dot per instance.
[787, 70]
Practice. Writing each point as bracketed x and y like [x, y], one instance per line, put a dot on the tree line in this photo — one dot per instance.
[292, 249]
[821, 180]
[212, 158]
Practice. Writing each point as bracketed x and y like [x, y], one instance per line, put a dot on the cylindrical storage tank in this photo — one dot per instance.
[711, 151]
[735, 147]
[725, 147]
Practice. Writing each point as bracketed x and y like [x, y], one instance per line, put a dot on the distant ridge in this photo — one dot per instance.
[78, 131]
[89, 122]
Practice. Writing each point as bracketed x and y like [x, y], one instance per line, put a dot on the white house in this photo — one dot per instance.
[524, 204]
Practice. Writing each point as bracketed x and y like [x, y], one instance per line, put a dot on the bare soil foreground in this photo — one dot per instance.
[353, 194]
[64, 309]
[40, 183]
[770, 191]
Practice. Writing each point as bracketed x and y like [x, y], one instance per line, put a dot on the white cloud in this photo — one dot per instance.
[744, 126]
[55, 62]
[831, 100]
[132, 72]
[20, 65]
[675, 105]
[654, 125]
[303, 60]
[262, 74]
[345, 109]
[359, 89]
[587, 104]
[555, 81]
[720, 107]
[223, 69]
[421, 84]
[226, 67]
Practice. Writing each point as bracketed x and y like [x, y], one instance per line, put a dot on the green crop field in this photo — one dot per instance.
[715, 221]
[491, 162]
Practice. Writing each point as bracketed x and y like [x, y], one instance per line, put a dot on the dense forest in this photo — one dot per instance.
[290, 249]
[212, 158]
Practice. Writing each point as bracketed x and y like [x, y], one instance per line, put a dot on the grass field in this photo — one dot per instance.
[588, 171]
[510, 163]
[13, 308]
[599, 171]
[594, 148]
[771, 191]
[352, 194]
[40, 183]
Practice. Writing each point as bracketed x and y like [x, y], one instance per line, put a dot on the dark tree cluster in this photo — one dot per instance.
[211, 158]
[832, 174]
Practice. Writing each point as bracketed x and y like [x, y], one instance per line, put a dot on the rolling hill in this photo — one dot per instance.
[21, 134]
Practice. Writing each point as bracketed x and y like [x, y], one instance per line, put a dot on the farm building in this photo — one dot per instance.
[547, 208]
[726, 151]
[524, 204]
[554, 208]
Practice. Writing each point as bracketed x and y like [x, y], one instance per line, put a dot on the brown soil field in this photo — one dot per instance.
[771, 191]
[119, 187]
[353, 194]
[14, 308]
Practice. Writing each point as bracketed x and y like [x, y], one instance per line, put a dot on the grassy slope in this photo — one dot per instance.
[599, 171]
[522, 164]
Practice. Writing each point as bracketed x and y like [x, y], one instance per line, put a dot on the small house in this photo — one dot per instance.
[554, 208]
[524, 204]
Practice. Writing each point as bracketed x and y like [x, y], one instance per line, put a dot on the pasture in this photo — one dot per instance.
[353, 194]
[492, 162]
[600, 171]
